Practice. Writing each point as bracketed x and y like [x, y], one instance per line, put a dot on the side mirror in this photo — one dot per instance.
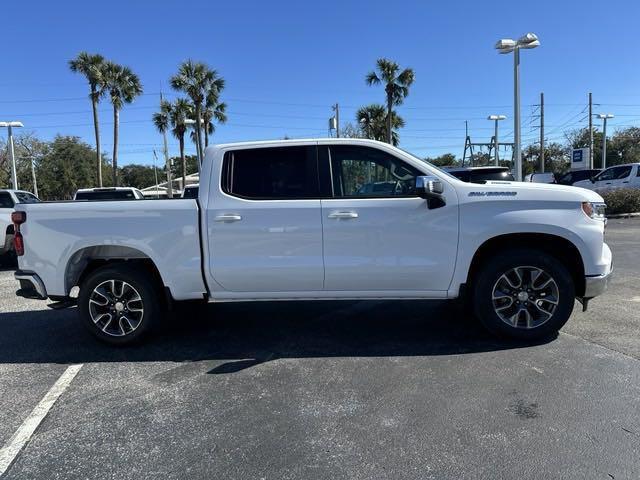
[431, 189]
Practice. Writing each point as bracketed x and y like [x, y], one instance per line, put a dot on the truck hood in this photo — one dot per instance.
[544, 191]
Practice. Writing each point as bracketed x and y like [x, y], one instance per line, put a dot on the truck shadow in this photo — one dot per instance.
[237, 336]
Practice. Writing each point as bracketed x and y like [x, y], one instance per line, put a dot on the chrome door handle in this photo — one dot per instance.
[228, 217]
[345, 215]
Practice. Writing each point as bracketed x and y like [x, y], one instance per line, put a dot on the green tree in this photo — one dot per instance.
[191, 162]
[624, 146]
[138, 176]
[444, 160]
[91, 66]
[556, 158]
[396, 86]
[123, 86]
[372, 120]
[214, 111]
[67, 166]
[174, 116]
[197, 81]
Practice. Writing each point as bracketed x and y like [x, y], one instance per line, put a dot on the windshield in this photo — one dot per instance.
[428, 163]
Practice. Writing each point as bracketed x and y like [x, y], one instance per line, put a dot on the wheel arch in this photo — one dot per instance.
[559, 247]
[88, 259]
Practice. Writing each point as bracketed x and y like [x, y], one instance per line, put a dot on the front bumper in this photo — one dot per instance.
[31, 286]
[596, 285]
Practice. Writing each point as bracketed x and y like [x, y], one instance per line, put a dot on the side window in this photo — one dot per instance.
[5, 200]
[622, 172]
[277, 173]
[608, 174]
[367, 172]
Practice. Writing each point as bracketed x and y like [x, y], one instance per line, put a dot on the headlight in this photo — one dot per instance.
[594, 210]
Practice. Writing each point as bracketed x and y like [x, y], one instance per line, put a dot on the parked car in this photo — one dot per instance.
[543, 177]
[481, 174]
[191, 191]
[620, 176]
[574, 176]
[109, 193]
[8, 200]
[284, 220]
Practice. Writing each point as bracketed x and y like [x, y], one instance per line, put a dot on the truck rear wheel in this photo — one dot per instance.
[119, 304]
[523, 293]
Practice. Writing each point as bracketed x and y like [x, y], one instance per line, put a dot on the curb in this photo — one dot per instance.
[624, 215]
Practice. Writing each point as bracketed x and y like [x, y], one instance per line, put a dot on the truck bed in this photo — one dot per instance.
[57, 234]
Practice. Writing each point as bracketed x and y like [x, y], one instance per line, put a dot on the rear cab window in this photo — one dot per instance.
[25, 197]
[5, 200]
[271, 173]
[109, 195]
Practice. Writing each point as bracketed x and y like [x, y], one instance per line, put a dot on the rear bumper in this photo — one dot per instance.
[31, 286]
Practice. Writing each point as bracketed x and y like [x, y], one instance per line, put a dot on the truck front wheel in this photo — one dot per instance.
[119, 304]
[523, 293]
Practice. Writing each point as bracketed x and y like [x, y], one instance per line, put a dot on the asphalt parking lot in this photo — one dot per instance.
[356, 390]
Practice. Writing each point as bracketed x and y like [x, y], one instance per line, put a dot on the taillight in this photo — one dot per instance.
[18, 218]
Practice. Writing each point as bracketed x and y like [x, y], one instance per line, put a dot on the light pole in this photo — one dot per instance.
[14, 175]
[504, 46]
[496, 119]
[604, 117]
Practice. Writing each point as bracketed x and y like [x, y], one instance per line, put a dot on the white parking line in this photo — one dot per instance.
[19, 439]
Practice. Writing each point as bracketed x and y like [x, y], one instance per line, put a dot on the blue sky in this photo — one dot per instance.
[287, 62]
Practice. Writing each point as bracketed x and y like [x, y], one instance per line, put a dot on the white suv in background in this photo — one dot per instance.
[8, 200]
[620, 176]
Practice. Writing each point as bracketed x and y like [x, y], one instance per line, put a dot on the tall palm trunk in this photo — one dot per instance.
[183, 160]
[116, 127]
[94, 104]
[206, 136]
[389, 110]
[198, 133]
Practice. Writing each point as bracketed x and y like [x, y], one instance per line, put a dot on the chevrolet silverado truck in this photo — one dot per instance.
[303, 220]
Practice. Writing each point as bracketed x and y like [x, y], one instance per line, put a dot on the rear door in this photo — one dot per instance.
[378, 234]
[264, 229]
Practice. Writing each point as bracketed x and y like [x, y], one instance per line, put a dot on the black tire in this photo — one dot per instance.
[124, 331]
[544, 319]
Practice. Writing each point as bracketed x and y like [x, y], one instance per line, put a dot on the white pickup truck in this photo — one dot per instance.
[321, 219]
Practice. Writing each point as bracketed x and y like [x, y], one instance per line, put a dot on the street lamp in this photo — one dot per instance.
[14, 175]
[504, 46]
[604, 117]
[496, 118]
[190, 121]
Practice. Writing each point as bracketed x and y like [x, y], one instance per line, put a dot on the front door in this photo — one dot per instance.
[265, 230]
[379, 235]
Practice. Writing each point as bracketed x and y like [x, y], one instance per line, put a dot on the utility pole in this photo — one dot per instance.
[33, 177]
[590, 132]
[155, 171]
[166, 159]
[542, 132]
[604, 117]
[336, 108]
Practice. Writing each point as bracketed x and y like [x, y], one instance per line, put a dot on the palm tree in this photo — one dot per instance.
[396, 85]
[197, 80]
[90, 65]
[175, 116]
[372, 120]
[213, 110]
[123, 86]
